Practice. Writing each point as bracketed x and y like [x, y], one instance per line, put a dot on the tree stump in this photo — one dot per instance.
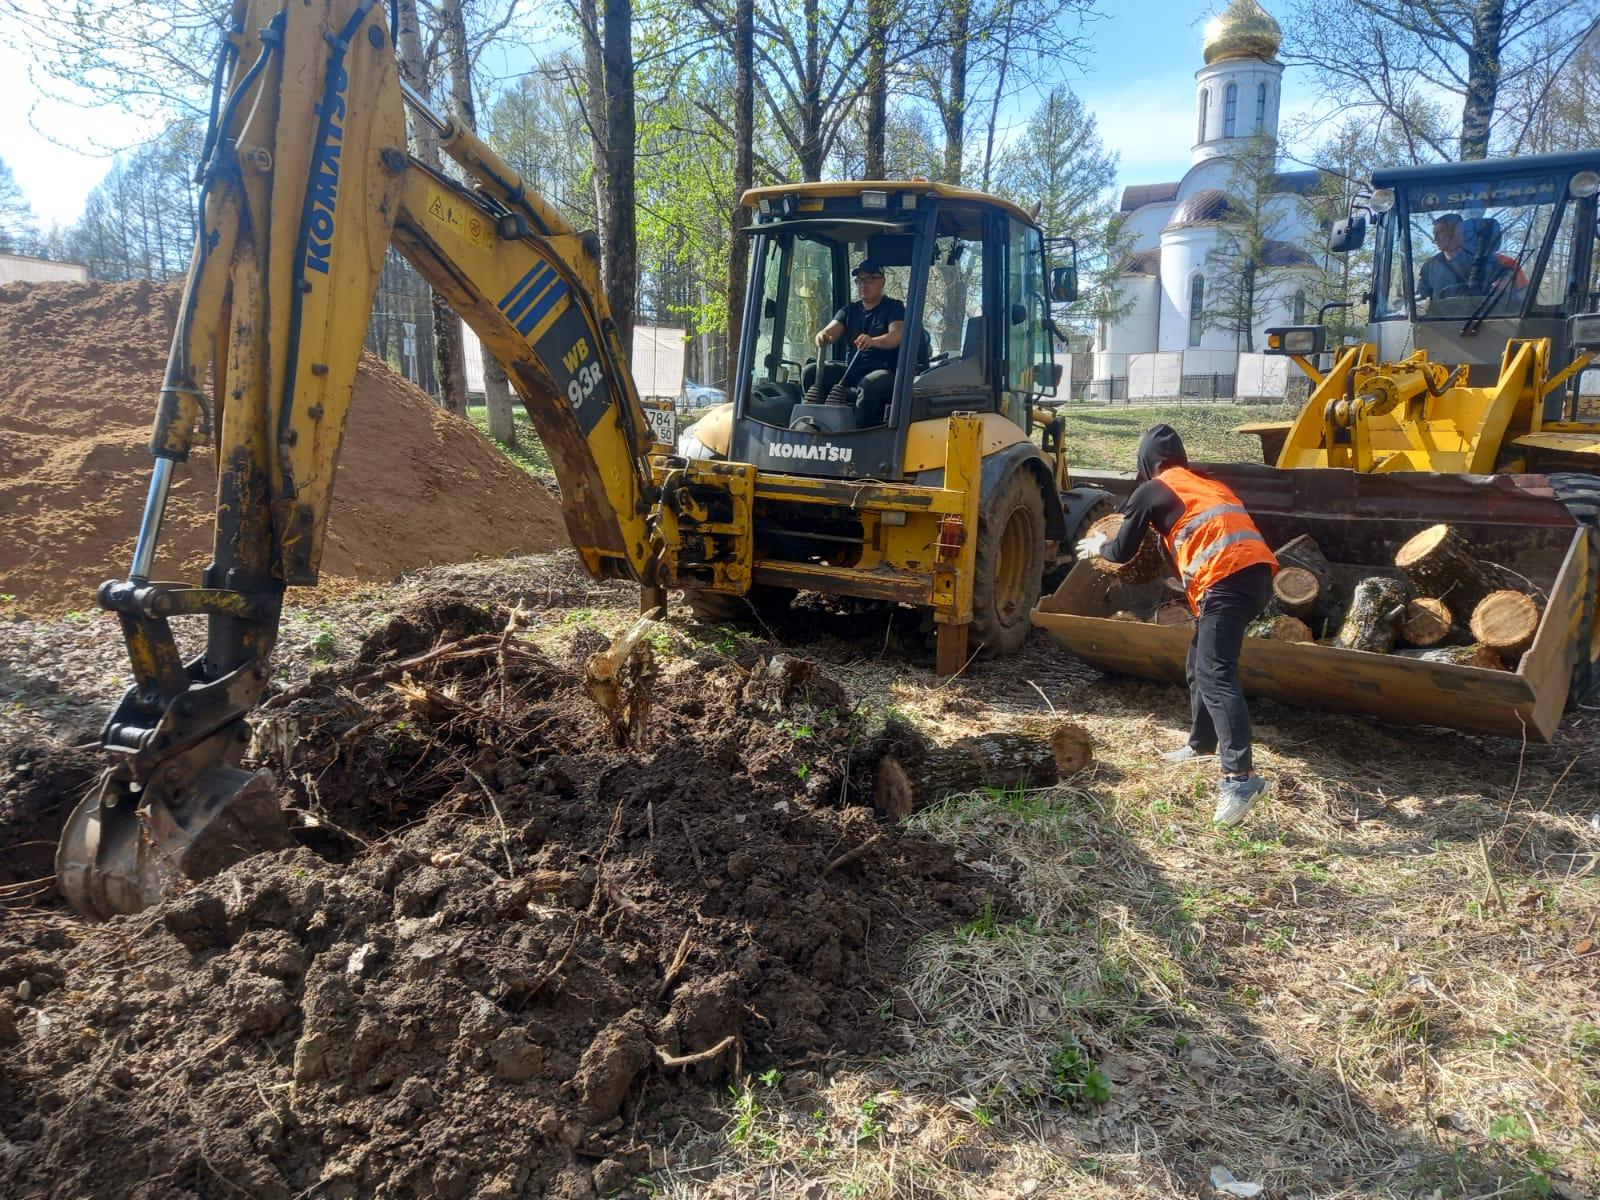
[1295, 590]
[1148, 562]
[992, 760]
[1426, 622]
[1505, 621]
[1461, 656]
[1439, 562]
[1303, 553]
[1373, 619]
[1280, 628]
[1174, 615]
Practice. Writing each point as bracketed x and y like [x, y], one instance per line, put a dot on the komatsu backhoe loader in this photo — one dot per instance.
[940, 499]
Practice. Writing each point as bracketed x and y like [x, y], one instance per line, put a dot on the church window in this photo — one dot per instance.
[1205, 103]
[1230, 106]
[1197, 309]
[1261, 105]
[1299, 307]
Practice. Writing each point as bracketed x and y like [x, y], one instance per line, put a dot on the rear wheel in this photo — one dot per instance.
[1010, 566]
[1580, 492]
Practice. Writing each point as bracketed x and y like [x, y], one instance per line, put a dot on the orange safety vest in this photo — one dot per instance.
[1215, 537]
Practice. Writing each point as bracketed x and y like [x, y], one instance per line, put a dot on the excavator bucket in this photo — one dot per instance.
[1359, 521]
[122, 851]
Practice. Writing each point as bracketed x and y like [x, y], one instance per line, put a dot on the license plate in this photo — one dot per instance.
[663, 417]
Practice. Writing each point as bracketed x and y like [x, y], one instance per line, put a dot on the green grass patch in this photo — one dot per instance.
[528, 453]
[1107, 436]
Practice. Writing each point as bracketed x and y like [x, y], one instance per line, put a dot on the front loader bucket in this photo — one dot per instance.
[1359, 521]
[121, 851]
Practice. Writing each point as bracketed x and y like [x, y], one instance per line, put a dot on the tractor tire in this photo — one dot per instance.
[1580, 492]
[1057, 575]
[1010, 566]
[724, 608]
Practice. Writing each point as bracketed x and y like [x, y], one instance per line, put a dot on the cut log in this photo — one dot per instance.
[1505, 621]
[1426, 622]
[1175, 615]
[1439, 562]
[1148, 562]
[1280, 628]
[1296, 590]
[1461, 656]
[1032, 758]
[1327, 609]
[1373, 619]
[1123, 614]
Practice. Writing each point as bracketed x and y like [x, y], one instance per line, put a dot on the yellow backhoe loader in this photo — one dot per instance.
[933, 496]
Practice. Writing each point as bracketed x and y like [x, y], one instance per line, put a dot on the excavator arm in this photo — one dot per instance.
[306, 183]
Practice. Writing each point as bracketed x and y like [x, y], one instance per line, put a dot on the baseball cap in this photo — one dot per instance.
[868, 266]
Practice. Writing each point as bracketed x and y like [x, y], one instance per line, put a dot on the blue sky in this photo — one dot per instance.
[1138, 80]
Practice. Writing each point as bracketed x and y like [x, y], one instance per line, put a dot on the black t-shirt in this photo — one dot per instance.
[873, 322]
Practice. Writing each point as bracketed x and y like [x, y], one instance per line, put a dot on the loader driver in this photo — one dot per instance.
[872, 326]
[1227, 570]
[1459, 269]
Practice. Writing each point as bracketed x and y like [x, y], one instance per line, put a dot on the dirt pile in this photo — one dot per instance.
[512, 959]
[80, 367]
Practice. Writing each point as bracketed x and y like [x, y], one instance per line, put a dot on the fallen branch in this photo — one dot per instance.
[850, 856]
[700, 1056]
[678, 961]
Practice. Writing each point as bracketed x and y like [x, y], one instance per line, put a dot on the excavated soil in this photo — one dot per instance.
[508, 917]
[80, 368]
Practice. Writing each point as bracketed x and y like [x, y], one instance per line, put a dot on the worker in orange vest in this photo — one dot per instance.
[1226, 568]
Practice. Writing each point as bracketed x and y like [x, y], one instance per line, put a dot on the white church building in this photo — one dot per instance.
[1164, 345]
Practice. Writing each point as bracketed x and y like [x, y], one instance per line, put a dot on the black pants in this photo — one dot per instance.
[1220, 719]
[875, 387]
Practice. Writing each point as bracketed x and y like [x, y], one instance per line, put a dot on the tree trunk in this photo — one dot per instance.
[447, 351]
[876, 166]
[811, 151]
[1304, 553]
[1295, 591]
[594, 113]
[1483, 77]
[1374, 616]
[744, 125]
[622, 256]
[1439, 563]
[1003, 760]
[1461, 656]
[955, 109]
[1426, 622]
[1280, 629]
[1506, 622]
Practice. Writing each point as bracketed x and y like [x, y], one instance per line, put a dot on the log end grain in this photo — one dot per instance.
[1073, 749]
[1426, 622]
[1296, 590]
[1505, 621]
[892, 791]
[1147, 563]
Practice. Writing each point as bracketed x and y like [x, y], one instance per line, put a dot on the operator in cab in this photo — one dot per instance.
[1226, 568]
[1468, 262]
[872, 326]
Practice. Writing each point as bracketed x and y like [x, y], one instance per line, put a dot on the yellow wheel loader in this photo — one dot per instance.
[1462, 406]
[930, 492]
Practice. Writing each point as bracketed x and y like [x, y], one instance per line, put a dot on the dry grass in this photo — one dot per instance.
[1338, 999]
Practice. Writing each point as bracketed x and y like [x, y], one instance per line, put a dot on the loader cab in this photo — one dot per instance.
[971, 272]
[1467, 256]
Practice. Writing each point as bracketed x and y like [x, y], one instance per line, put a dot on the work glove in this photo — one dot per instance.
[1093, 546]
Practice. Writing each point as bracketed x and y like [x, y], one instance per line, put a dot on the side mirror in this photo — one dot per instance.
[1019, 314]
[1047, 377]
[769, 308]
[1063, 285]
[1348, 233]
[1300, 341]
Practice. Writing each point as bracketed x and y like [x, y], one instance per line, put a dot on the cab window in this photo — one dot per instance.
[1029, 353]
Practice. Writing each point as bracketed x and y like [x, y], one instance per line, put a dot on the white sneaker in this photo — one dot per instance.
[1237, 797]
[1185, 753]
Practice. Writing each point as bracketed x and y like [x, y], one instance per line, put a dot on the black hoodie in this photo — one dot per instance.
[1152, 502]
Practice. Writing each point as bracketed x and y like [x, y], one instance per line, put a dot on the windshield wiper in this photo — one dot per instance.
[1470, 327]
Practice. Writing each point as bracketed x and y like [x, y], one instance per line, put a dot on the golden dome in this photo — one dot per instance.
[1244, 30]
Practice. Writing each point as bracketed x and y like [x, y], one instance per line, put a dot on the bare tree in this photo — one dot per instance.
[743, 172]
[16, 217]
[1391, 56]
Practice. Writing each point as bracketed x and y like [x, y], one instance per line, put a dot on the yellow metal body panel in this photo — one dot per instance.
[926, 441]
[1415, 415]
